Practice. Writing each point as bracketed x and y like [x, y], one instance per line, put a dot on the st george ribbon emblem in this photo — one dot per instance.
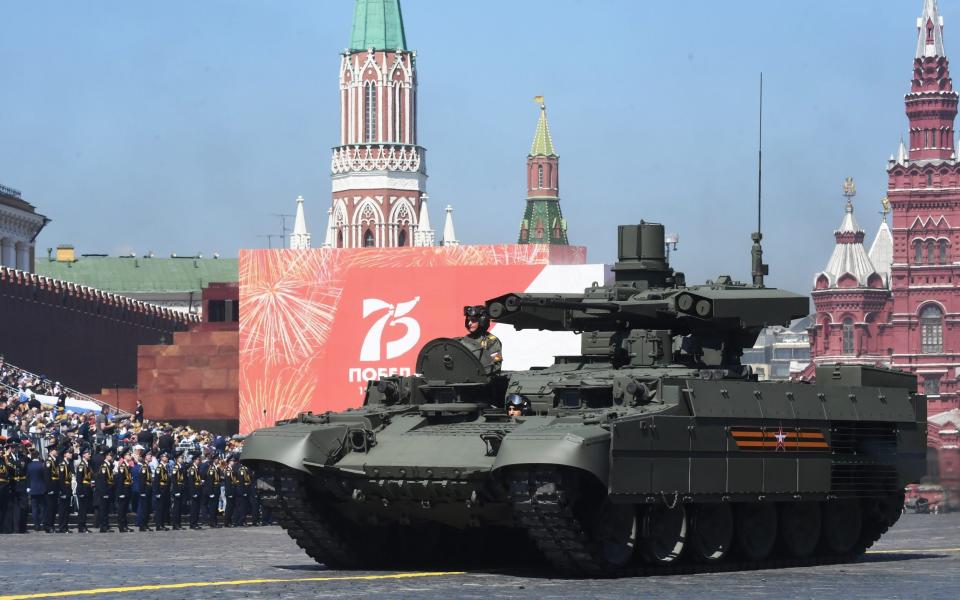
[779, 440]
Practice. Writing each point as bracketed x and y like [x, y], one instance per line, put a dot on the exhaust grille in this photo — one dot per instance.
[864, 458]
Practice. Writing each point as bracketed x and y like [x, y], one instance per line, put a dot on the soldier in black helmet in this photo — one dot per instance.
[482, 344]
[230, 484]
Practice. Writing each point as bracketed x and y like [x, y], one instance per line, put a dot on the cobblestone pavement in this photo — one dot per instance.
[920, 557]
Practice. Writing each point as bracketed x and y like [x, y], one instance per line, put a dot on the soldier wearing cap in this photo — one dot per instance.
[244, 491]
[161, 494]
[17, 504]
[230, 484]
[65, 467]
[51, 473]
[84, 489]
[143, 487]
[103, 489]
[211, 489]
[124, 489]
[177, 491]
[5, 486]
[193, 484]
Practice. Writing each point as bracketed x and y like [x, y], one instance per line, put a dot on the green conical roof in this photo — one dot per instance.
[542, 144]
[377, 24]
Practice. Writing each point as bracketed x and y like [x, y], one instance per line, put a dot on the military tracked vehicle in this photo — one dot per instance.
[653, 450]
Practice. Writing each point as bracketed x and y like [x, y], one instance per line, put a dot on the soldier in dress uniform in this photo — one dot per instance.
[17, 506]
[485, 346]
[51, 473]
[84, 490]
[103, 491]
[161, 494]
[193, 484]
[5, 486]
[143, 487]
[178, 478]
[124, 489]
[243, 492]
[230, 484]
[211, 490]
[65, 467]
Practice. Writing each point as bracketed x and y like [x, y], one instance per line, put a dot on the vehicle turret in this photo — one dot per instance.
[647, 300]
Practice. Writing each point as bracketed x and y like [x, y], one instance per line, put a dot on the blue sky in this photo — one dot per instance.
[182, 126]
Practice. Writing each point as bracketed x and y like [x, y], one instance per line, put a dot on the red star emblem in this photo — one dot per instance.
[781, 438]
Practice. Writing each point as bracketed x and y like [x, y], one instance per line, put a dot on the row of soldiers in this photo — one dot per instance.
[186, 488]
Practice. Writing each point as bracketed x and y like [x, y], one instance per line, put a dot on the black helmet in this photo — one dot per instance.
[478, 312]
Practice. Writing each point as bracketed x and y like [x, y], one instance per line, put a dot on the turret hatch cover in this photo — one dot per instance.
[446, 359]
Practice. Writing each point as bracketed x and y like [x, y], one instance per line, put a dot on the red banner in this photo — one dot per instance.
[316, 325]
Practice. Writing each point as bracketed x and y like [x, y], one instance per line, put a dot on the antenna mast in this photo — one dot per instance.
[758, 269]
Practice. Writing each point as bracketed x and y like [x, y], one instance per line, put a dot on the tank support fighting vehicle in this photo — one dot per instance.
[653, 447]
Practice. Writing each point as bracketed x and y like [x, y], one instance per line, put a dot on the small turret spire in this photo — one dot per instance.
[299, 239]
[449, 235]
[902, 155]
[328, 241]
[424, 236]
[930, 31]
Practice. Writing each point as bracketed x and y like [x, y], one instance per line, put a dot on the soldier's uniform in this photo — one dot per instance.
[84, 494]
[103, 485]
[66, 494]
[194, 491]
[161, 497]
[242, 496]
[143, 486]
[230, 483]
[17, 507]
[211, 491]
[51, 472]
[124, 485]
[487, 348]
[177, 494]
[4, 493]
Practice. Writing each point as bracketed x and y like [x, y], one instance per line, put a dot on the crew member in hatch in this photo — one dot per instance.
[485, 346]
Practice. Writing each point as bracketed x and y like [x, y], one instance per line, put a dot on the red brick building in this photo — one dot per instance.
[899, 304]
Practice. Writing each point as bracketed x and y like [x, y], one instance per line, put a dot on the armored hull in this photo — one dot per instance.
[652, 451]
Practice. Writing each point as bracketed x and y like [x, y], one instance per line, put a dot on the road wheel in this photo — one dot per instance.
[663, 533]
[842, 520]
[756, 529]
[710, 532]
[799, 530]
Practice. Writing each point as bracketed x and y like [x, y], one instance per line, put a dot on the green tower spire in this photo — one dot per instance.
[377, 24]
[542, 142]
[543, 222]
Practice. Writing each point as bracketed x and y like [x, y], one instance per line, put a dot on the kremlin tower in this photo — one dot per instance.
[379, 171]
[899, 304]
[543, 222]
[914, 263]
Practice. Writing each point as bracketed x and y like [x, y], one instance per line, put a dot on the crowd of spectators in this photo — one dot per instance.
[37, 423]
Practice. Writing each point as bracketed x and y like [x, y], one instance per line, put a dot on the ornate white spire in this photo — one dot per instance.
[328, 240]
[930, 31]
[881, 251]
[902, 155]
[299, 239]
[849, 265]
[449, 235]
[424, 236]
